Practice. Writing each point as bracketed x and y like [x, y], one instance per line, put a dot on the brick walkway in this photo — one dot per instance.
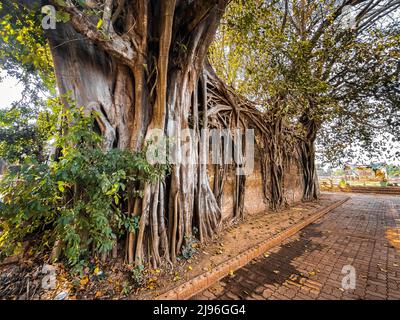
[364, 233]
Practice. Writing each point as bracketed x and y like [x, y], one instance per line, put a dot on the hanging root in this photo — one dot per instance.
[155, 241]
[174, 227]
[190, 200]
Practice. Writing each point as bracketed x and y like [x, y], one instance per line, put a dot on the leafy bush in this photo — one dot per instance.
[137, 275]
[80, 199]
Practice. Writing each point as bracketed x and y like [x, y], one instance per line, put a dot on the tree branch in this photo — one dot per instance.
[108, 5]
[329, 21]
[117, 46]
[194, 12]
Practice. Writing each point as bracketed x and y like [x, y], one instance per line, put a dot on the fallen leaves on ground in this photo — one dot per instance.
[84, 281]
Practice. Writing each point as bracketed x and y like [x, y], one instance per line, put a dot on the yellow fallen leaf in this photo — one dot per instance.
[231, 273]
[99, 294]
[84, 281]
[190, 268]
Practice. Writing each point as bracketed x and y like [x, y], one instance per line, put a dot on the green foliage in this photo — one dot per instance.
[25, 55]
[126, 289]
[24, 131]
[137, 275]
[79, 198]
[188, 249]
[342, 183]
[24, 50]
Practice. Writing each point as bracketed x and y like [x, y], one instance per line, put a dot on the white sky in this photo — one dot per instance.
[10, 91]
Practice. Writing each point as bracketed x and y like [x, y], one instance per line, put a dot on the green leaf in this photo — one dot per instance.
[63, 17]
[61, 186]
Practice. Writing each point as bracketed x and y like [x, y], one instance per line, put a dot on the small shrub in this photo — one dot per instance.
[137, 275]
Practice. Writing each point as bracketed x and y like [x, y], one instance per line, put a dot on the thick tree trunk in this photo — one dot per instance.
[145, 69]
[159, 84]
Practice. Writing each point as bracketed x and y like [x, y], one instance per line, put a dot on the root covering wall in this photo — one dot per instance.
[254, 200]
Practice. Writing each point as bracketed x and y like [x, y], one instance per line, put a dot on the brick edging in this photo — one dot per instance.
[203, 281]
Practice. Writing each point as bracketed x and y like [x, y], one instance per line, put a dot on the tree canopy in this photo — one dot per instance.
[338, 67]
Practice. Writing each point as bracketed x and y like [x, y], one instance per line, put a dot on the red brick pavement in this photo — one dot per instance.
[363, 233]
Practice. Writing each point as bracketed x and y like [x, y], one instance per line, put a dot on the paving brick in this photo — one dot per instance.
[309, 264]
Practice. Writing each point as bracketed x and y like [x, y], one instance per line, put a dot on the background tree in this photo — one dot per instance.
[25, 56]
[24, 131]
[324, 66]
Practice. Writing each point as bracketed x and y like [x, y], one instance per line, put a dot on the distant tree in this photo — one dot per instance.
[24, 132]
[393, 171]
[139, 65]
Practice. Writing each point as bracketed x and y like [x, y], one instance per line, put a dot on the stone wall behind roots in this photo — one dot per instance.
[254, 201]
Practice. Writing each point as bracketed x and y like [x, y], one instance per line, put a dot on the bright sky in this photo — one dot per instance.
[362, 157]
[10, 90]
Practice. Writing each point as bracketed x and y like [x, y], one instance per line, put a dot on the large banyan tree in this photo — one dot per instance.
[142, 65]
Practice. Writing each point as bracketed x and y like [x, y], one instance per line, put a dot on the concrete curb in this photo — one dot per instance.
[203, 281]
